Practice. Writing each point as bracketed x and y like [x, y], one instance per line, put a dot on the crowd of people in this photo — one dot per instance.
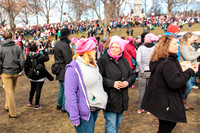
[96, 75]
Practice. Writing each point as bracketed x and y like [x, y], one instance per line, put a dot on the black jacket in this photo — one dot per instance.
[62, 56]
[112, 71]
[12, 57]
[163, 97]
[40, 60]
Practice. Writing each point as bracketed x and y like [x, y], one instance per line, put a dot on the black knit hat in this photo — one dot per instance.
[64, 33]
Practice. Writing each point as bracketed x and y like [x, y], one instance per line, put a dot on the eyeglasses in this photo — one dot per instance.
[113, 47]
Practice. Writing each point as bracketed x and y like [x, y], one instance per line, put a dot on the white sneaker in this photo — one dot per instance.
[195, 87]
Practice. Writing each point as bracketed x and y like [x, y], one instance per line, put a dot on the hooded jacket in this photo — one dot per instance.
[163, 97]
[12, 57]
[76, 102]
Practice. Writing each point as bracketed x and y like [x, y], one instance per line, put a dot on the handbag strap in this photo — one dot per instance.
[127, 52]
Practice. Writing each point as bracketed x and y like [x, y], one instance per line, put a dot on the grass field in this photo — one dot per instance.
[50, 120]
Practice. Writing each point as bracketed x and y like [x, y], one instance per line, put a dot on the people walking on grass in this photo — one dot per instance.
[84, 92]
[12, 59]
[167, 83]
[62, 56]
[117, 77]
[144, 53]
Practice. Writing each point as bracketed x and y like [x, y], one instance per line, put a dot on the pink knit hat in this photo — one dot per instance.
[149, 38]
[85, 45]
[130, 40]
[117, 39]
[74, 40]
[94, 39]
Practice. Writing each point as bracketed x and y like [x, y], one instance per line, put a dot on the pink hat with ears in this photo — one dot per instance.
[74, 40]
[130, 40]
[121, 42]
[85, 45]
[94, 39]
[149, 38]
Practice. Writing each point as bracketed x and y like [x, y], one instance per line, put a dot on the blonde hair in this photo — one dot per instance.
[161, 48]
[86, 56]
[184, 40]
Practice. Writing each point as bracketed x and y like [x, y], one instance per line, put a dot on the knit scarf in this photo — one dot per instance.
[114, 57]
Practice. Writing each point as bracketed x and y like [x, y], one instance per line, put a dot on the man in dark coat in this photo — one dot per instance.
[62, 56]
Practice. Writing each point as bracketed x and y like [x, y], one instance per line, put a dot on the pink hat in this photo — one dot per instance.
[85, 45]
[94, 39]
[130, 40]
[138, 40]
[117, 39]
[74, 40]
[149, 38]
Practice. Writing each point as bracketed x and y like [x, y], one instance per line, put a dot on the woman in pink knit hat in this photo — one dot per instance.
[117, 77]
[143, 58]
[84, 91]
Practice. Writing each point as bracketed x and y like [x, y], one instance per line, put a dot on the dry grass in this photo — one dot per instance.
[49, 120]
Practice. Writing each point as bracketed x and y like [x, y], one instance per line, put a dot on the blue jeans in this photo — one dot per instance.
[87, 126]
[189, 85]
[61, 96]
[113, 121]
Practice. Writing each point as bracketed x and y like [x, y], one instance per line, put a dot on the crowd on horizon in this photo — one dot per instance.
[95, 74]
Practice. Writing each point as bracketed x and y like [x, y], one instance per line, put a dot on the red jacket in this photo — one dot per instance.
[132, 53]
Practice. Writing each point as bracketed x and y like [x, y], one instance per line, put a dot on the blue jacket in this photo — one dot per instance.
[169, 33]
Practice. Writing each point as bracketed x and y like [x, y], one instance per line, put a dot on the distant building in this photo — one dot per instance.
[137, 9]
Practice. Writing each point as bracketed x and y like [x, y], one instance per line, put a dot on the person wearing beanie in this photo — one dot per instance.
[173, 30]
[142, 40]
[117, 77]
[144, 53]
[130, 53]
[62, 56]
[84, 91]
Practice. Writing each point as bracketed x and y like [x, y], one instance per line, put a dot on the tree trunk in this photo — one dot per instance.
[105, 18]
[170, 3]
[11, 21]
[61, 14]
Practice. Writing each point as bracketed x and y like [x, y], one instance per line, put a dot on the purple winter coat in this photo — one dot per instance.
[76, 104]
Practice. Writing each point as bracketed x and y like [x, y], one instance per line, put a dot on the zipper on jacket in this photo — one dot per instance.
[83, 92]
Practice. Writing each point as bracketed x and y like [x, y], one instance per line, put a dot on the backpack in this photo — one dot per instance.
[31, 67]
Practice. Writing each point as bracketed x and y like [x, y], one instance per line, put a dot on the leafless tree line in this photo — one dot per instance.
[74, 9]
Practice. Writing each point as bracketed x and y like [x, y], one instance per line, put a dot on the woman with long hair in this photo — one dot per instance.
[167, 82]
[84, 91]
[188, 53]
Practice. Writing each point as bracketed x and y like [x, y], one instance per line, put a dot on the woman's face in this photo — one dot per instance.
[115, 49]
[93, 54]
[173, 46]
[191, 39]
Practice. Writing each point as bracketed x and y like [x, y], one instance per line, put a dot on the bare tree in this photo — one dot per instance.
[116, 6]
[3, 17]
[25, 12]
[47, 6]
[13, 7]
[36, 8]
[78, 7]
[60, 4]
